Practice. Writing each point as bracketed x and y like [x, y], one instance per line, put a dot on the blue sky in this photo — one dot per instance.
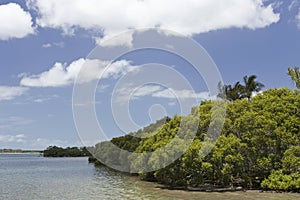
[42, 36]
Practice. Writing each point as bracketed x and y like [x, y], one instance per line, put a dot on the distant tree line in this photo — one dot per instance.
[18, 151]
[54, 151]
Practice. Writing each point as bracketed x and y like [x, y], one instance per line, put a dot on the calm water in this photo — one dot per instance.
[32, 177]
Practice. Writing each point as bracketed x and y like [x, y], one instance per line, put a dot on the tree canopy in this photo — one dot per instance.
[294, 73]
[239, 91]
[258, 147]
[54, 151]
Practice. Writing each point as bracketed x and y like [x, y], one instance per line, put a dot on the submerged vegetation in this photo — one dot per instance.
[258, 146]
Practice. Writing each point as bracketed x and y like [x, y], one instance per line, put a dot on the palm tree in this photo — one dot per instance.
[295, 75]
[251, 86]
[236, 91]
[239, 91]
[230, 93]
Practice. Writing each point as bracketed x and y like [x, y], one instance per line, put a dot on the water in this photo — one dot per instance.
[28, 176]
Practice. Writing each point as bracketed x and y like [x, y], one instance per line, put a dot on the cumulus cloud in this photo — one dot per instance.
[58, 75]
[119, 40]
[8, 92]
[15, 22]
[62, 74]
[187, 17]
[12, 138]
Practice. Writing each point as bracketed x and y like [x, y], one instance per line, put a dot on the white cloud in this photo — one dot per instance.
[124, 39]
[183, 94]
[58, 75]
[158, 92]
[254, 94]
[147, 90]
[48, 45]
[8, 92]
[41, 100]
[187, 17]
[43, 143]
[57, 44]
[15, 22]
[12, 138]
[62, 75]
[298, 19]
[36, 143]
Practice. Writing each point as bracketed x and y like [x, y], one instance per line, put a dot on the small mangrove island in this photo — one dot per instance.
[54, 151]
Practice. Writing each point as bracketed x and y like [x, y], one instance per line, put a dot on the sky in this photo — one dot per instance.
[45, 44]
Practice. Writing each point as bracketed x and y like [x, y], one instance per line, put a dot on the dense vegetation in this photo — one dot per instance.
[258, 147]
[128, 142]
[18, 151]
[54, 151]
[240, 91]
[294, 73]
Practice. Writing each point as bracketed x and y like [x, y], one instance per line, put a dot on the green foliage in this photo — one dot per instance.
[54, 151]
[230, 92]
[287, 178]
[228, 160]
[291, 160]
[239, 91]
[107, 152]
[282, 182]
[19, 151]
[251, 86]
[258, 147]
[294, 73]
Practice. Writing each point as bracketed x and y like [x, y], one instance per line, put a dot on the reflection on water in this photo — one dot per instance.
[33, 177]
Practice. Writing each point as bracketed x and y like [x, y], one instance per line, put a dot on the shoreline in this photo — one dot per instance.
[212, 189]
[200, 189]
[20, 153]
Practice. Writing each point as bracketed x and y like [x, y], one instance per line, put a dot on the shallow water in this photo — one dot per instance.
[28, 176]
